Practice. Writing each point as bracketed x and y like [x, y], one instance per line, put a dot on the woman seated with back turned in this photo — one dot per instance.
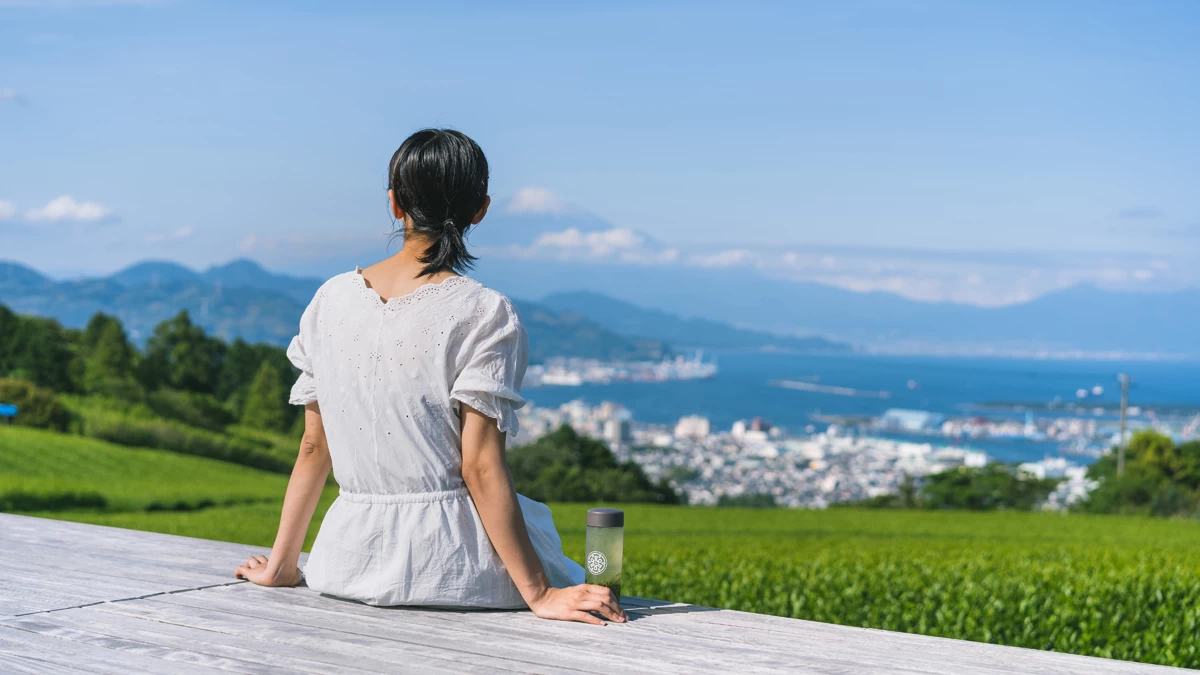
[410, 378]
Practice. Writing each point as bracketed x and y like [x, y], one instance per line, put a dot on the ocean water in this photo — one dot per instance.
[949, 385]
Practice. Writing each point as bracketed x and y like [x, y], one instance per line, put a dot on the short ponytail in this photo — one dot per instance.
[440, 179]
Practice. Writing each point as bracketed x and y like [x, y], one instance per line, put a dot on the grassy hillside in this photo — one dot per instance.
[44, 467]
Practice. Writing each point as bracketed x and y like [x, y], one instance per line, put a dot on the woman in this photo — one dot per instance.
[410, 378]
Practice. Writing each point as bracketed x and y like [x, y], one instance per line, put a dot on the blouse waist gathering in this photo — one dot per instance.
[404, 497]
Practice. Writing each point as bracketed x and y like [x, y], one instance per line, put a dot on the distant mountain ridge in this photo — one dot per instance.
[630, 319]
[241, 299]
[1083, 318]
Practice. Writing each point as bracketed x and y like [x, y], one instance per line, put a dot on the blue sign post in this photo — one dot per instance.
[8, 412]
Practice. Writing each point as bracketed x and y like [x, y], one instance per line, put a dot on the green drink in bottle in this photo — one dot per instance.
[605, 541]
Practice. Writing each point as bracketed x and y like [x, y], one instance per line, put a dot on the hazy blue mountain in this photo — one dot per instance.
[557, 333]
[152, 272]
[231, 306]
[630, 319]
[15, 276]
[243, 273]
[1080, 318]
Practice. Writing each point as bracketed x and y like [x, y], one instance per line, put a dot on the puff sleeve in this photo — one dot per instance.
[494, 367]
[304, 391]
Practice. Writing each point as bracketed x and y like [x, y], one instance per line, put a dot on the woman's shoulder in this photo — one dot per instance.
[489, 303]
[337, 284]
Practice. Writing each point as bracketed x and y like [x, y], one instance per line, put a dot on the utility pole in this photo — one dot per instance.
[1121, 439]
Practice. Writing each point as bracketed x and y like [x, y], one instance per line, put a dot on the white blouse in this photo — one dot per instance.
[389, 377]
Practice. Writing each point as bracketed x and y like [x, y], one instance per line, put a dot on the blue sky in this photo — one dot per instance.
[200, 131]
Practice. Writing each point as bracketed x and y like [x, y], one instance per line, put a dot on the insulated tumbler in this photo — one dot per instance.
[605, 540]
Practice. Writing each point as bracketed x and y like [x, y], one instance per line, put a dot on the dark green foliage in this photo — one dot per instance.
[266, 404]
[36, 407]
[241, 363]
[197, 410]
[18, 500]
[169, 435]
[182, 356]
[754, 501]
[564, 466]
[995, 486]
[109, 359]
[37, 350]
[1160, 479]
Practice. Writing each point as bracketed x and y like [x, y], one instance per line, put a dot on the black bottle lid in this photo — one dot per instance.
[604, 517]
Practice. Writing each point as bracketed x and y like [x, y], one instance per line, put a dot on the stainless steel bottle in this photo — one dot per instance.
[605, 541]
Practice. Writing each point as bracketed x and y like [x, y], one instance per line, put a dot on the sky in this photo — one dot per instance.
[914, 143]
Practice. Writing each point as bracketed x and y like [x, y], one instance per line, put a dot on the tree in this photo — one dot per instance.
[266, 401]
[1161, 478]
[108, 366]
[563, 466]
[179, 354]
[36, 407]
[995, 486]
[37, 350]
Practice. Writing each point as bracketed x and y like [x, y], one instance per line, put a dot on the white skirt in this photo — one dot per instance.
[427, 549]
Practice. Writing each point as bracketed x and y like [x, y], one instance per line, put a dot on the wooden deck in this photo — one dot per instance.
[84, 599]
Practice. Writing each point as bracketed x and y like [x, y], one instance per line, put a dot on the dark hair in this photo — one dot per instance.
[440, 179]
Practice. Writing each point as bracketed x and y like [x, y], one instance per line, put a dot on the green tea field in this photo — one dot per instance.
[1111, 586]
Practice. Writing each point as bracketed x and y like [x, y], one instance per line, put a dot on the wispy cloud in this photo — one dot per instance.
[1141, 213]
[535, 200]
[181, 233]
[7, 210]
[9, 95]
[66, 209]
[727, 258]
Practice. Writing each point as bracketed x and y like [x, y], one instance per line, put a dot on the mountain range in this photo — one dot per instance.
[1083, 318]
[627, 311]
[241, 299]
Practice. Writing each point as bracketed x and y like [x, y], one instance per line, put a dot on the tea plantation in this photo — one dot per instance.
[1114, 586]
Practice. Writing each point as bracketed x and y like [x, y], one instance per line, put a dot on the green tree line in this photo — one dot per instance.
[1161, 478]
[182, 373]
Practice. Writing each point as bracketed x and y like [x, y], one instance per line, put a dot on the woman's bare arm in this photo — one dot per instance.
[491, 486]
[303, 492]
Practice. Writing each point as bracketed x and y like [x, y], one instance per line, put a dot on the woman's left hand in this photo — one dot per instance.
[257, 570]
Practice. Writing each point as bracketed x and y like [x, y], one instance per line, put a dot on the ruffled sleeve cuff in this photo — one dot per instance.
[503, 410]
[304, 391]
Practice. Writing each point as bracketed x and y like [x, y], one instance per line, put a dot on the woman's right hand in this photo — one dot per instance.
[575, 602]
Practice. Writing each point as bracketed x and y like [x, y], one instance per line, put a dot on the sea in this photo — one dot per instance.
[955, 386]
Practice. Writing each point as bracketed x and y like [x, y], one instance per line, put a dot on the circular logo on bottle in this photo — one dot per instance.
[597, 563]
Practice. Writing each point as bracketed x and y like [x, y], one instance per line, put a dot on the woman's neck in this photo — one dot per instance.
[401, 273]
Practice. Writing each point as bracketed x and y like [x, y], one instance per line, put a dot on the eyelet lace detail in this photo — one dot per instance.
[412, 296]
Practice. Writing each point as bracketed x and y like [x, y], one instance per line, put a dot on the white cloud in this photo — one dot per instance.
[181, 233]
[7, 94]
[248, 243]
[729, 258]
[65, 208]
[598, 244]
[536, 200]
[7, 210]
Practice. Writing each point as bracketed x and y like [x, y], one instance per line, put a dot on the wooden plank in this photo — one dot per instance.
[147, 626]
[28, 665]
[590, 644]
[646, 640]
[33, 647]
[300, 637]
